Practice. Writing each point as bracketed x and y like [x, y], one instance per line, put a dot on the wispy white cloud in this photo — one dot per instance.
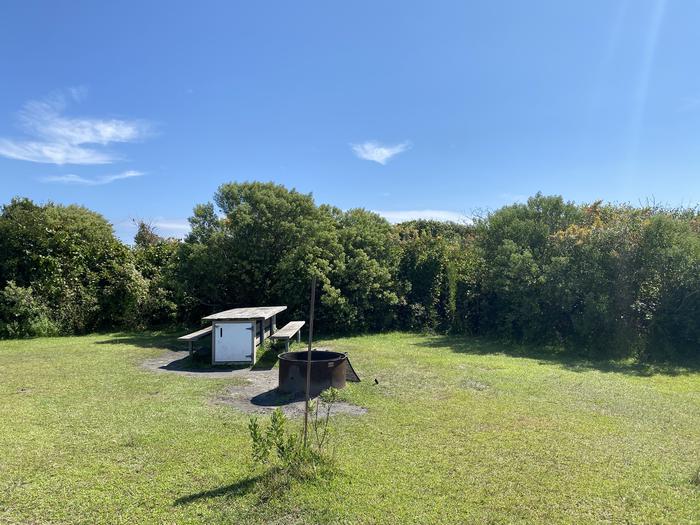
[53, 153]
[96, 181]
[172, 225]
[413, 215]
[59, 139]
[377, 152]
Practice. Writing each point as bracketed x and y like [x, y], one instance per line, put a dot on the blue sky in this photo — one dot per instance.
[142, 109]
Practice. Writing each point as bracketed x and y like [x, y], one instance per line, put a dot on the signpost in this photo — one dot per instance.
[308, 357]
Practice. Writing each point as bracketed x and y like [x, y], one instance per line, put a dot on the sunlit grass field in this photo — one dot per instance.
[458, 431]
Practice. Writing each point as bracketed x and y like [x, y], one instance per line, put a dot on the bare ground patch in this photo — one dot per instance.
[254, 401]
[254, 391]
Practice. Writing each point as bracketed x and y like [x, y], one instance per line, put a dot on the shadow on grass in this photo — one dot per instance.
[461, 344]
[239, 488]
[271, 484]
[200, 363]
[556, 355]
[273, 398]
[166, 340]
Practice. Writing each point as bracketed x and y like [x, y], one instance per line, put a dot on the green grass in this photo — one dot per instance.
[458, 431]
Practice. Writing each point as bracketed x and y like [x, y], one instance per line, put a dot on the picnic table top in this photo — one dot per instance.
[259, 312]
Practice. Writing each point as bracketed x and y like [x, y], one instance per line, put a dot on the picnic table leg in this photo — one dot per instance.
[189, 347]
[286, 345]
[299, 336]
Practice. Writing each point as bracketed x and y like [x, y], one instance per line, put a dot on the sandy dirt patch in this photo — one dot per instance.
[254, 391]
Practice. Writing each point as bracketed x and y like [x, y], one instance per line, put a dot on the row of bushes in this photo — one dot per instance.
[63, 271]
[607, 280]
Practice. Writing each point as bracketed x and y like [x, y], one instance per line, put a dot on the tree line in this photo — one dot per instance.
[597, 279]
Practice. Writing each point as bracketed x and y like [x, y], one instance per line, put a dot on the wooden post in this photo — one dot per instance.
[308, 358]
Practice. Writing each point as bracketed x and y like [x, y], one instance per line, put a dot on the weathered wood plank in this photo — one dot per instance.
[260, 312]
[288, 330]
[195, 335]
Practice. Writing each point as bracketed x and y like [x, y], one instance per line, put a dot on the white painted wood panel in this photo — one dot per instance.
[233, 342]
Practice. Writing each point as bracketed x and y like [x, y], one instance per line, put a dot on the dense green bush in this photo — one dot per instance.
[603, 280]
[367, 289]
[671, 293]
[263, 249]
[81, 275]
[155, 259]
[22, 314]
[431, 253]
[515, 245]
[269, 241]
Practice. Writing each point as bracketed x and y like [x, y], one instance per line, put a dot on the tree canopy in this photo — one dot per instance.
[605, 280]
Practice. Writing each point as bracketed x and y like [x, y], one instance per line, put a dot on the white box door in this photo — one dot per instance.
[233, 342]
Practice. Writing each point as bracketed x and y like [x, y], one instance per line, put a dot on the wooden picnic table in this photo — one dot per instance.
[230, 344]
[259, 321]
[266, 316]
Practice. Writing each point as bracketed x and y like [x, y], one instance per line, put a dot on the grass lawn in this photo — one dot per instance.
[458, 431]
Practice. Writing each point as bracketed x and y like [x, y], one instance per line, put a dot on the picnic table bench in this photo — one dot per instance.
[288, 331]
[194, 336]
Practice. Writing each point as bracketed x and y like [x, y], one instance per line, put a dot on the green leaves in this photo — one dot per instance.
[22, 314]
[291, 457]
[606, 280]
[83, 277]
[600, 279]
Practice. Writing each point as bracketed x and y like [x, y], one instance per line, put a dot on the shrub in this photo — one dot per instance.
[431, 255]
[263, 250]
[155, 259]
[292, 457]
[70, 258]
[22, 314]
[608, 281]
